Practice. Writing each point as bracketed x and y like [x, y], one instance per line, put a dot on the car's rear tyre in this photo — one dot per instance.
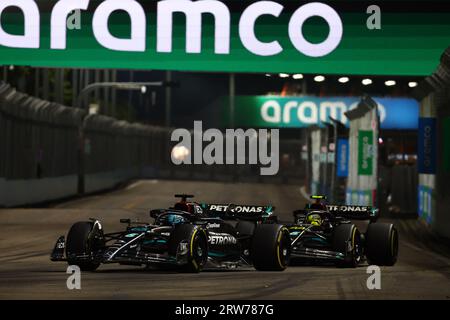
[83, 239]
[347, 240]
[194, 241]
[382, 244]
[271, 247]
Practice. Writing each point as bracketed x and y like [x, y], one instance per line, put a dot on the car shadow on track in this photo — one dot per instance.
[318, 264]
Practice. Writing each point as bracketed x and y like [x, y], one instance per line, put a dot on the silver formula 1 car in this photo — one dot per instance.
[188, 236]
[326, 233]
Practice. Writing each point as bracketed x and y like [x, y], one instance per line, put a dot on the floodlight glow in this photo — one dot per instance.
[390, 83]
[319, 78]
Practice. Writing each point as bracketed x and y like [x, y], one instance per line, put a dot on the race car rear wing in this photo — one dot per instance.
[354, 212]
[233, 211]
[346, 212]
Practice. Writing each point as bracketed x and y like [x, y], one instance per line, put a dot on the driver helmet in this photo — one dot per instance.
[183, 206]
[318, 204]
[314, 219]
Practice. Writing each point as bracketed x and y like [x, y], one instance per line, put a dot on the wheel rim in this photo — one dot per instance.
[356, 243]
[283, 249]
[394, 244]
[357, 252]
[94, 242]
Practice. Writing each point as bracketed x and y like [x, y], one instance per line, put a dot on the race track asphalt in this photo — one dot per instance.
[27, 237]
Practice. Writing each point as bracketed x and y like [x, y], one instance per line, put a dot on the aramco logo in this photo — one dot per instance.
[193, 11]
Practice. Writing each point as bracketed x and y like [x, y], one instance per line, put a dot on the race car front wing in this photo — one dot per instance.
[311, 253]
[117, 254]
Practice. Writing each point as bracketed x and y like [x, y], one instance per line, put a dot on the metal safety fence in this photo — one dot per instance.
[41, 143]
[40, 139]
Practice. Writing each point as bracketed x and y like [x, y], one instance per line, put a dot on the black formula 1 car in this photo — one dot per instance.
[326, 233]
[188, 236]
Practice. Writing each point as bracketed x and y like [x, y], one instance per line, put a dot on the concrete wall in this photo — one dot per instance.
[22, 192]
[31, 191]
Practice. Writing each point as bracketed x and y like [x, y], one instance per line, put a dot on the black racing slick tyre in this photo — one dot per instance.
[347, 240]
[382, 244]
[271, 247]
[83, 239]
[189, 243]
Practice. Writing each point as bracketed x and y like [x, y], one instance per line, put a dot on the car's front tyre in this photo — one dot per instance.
[346, 239]
[190, 242]
[84, 239]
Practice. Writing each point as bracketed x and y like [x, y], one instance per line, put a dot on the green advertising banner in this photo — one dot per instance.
[303, 111]
[330, 37]
[365, 153]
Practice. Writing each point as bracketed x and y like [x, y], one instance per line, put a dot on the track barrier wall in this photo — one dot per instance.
[433, 194]
[39, 143]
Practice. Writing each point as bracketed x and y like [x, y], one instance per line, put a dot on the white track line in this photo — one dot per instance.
[140, 182]
[134, 185]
